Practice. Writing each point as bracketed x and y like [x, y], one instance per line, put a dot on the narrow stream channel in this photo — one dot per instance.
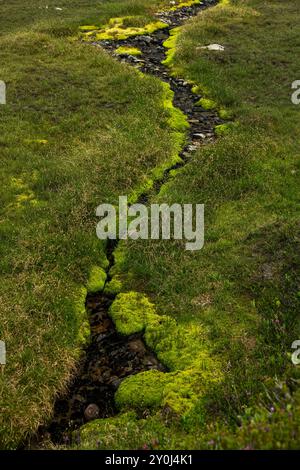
[111, 357]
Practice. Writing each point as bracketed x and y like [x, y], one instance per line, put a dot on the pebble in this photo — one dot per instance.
[91, 412]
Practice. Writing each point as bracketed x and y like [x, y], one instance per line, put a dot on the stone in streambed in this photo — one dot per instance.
[91, 412]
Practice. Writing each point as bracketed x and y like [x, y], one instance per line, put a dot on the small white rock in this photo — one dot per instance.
[213, 47]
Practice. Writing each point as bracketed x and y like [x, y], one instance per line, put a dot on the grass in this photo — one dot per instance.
[75, 119]
[242, 289]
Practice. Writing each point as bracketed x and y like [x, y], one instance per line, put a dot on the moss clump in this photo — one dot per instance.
[182, 349]
[36, 141]
[88, 28]
[225, 114]
[123, 50]
[170, 45]
[113, 287]
[96, 280]
[131, 312]
[178, 123]
[207, 104]
[121, 28]
[81, 318]
[224, 129]
[124, 431]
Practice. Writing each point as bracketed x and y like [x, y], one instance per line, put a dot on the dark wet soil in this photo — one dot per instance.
[111, 357]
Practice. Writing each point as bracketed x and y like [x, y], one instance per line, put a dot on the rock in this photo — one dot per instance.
[213, 47]
[199, 136]
[91, 412]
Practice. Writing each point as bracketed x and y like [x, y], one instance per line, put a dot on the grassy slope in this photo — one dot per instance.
[243, 287]
[74, 120]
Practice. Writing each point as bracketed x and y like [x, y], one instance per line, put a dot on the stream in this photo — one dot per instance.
[111, 357]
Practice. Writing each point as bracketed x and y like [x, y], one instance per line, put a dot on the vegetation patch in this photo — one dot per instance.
[74, 118]
[96, 280]
[183, 350]
[123, 50]
[122, 28]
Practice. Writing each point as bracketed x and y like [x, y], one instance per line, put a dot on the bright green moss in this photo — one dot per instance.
[207, 104]
[81, 317]
[178, 391]
[224, 129]
[96, 280]
[159, 172]
[131, 312]
[178, 123]
[24, 195]
[225, 114]
[142, 390]
[144, 187]
[185, 3]
[99, 431]
[36, 141]
[170, 45]
[123, 50]
[113, 287]
[121, 28]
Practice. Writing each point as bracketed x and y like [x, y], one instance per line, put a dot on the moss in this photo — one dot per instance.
[207, 104]
[142, 390]
[170, 45]
[94, 433]
[118, 29]
[25, 195]
[224, 129]
[177, 119]
[123, 50]
[159, 172]
[225, 114]
[184, 3]
[144, 187]
[178, 123]
[124, 431]
[178, 391]
[113, 287]
[96, 280]
[131, 312]
[36, 141]
[81, 318]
